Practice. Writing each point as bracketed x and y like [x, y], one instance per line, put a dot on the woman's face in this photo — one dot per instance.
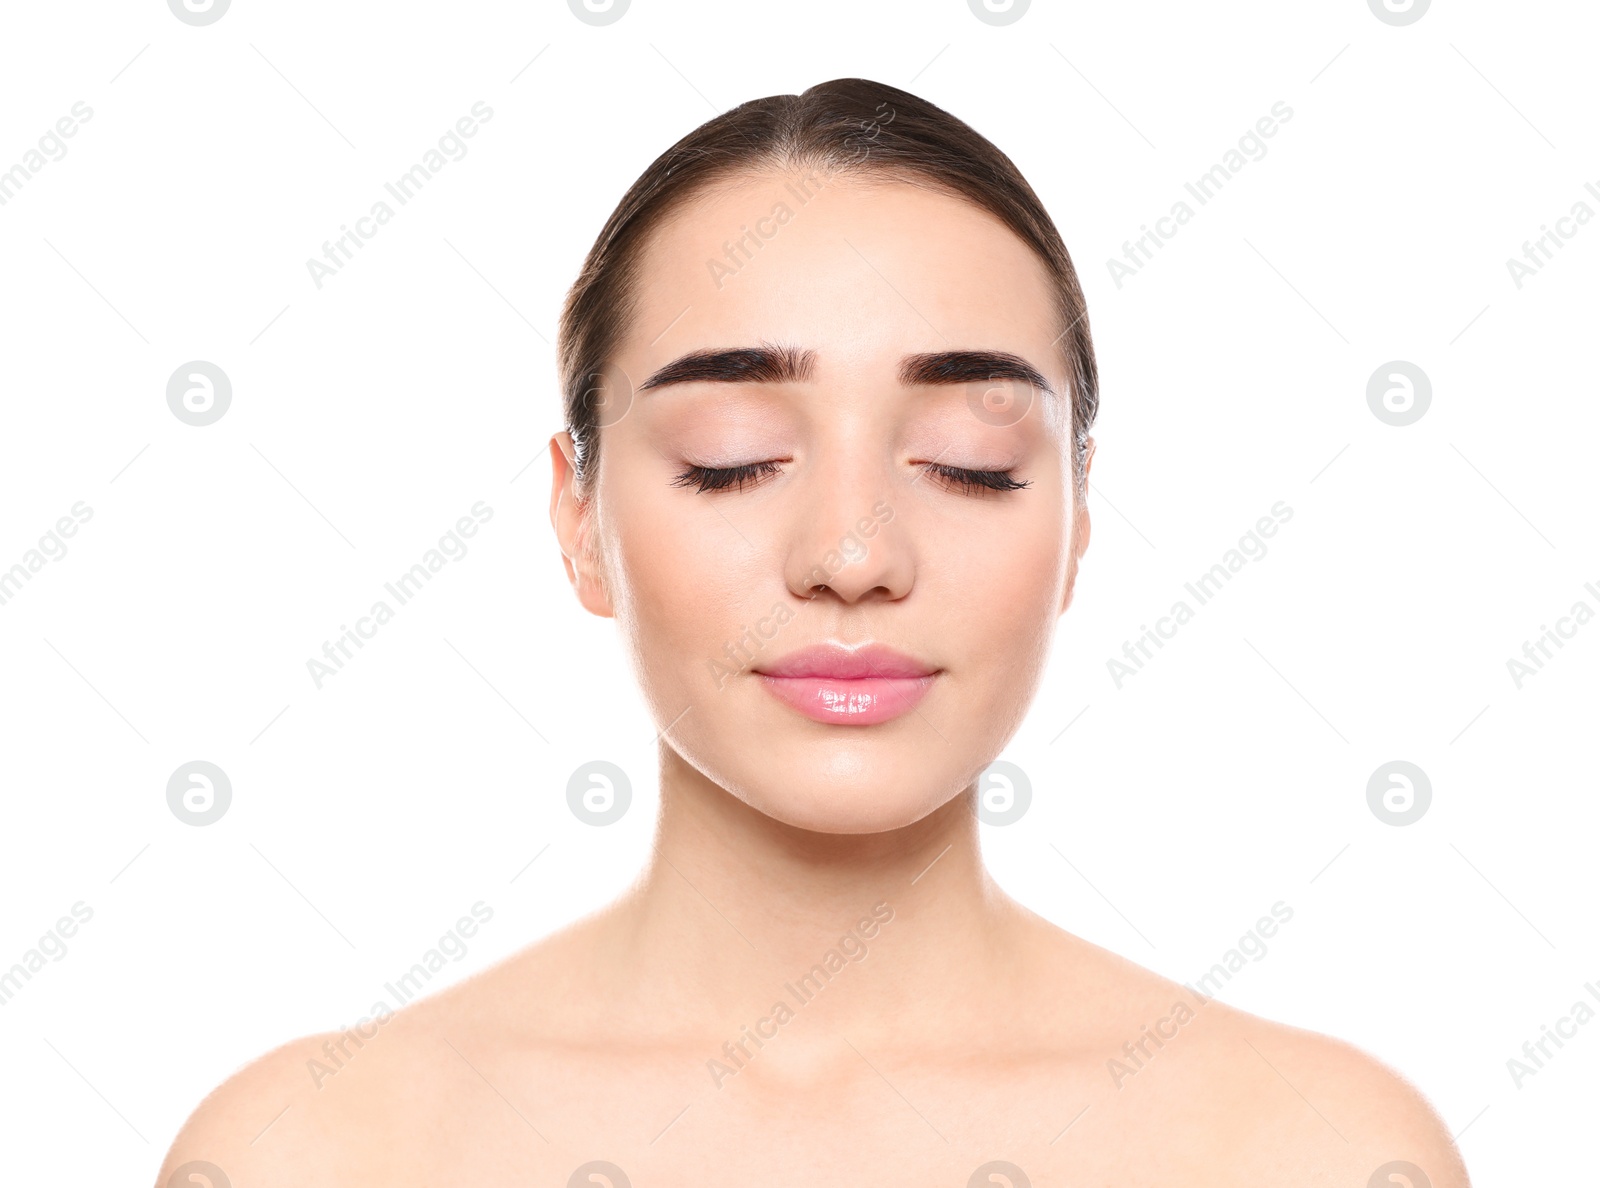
[840, 295]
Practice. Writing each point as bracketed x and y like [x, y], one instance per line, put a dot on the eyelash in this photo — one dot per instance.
[710, 478]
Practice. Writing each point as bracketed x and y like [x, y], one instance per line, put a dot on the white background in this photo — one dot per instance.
[370, 414]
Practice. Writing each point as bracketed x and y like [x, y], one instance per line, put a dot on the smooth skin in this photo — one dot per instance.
[972, 1030]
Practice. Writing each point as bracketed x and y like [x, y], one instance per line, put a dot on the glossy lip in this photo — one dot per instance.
[848, 686]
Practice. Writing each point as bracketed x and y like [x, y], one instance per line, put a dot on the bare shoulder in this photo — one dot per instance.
[282, 1119]
[380, 1101]
[363, 1105]
[219, 1144]
[1325, 1105]
[1249, 1099]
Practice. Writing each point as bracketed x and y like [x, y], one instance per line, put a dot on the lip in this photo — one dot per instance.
[848, 686]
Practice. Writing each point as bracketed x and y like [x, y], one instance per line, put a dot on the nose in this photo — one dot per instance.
[847, 542]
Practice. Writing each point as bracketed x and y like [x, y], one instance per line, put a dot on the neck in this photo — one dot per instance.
[735, 910]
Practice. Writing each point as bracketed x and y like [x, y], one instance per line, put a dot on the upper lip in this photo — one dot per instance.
[842, 663]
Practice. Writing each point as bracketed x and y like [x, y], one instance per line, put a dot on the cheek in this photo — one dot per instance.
[1018, 609]
[681, 583]
[1015, 559]
[1004, 589]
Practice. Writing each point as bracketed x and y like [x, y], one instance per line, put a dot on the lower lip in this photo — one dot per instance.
[863, 702]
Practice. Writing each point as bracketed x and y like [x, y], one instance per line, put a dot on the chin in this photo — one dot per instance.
[846, 811]
[831, 789]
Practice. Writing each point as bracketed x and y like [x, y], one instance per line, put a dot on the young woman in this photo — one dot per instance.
[829, 384]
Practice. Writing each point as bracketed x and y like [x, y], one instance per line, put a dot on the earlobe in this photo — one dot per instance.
[570, 520]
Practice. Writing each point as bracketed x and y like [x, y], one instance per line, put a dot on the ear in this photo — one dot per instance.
[1080, 531]
[571, 519]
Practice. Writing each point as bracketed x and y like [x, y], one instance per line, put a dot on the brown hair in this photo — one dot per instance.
[848, 125]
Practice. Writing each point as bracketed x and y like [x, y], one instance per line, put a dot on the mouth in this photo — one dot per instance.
[848, 686]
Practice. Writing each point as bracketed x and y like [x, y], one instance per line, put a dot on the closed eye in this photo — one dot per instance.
[712, 478]
[975, 481]
[957, 478]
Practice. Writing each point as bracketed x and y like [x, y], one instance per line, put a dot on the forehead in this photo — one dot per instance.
[856, 268]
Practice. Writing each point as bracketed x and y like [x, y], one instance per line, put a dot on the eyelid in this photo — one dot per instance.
[721, 478]
[971, 481]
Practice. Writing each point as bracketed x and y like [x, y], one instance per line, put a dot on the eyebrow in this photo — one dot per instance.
[769, 364]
